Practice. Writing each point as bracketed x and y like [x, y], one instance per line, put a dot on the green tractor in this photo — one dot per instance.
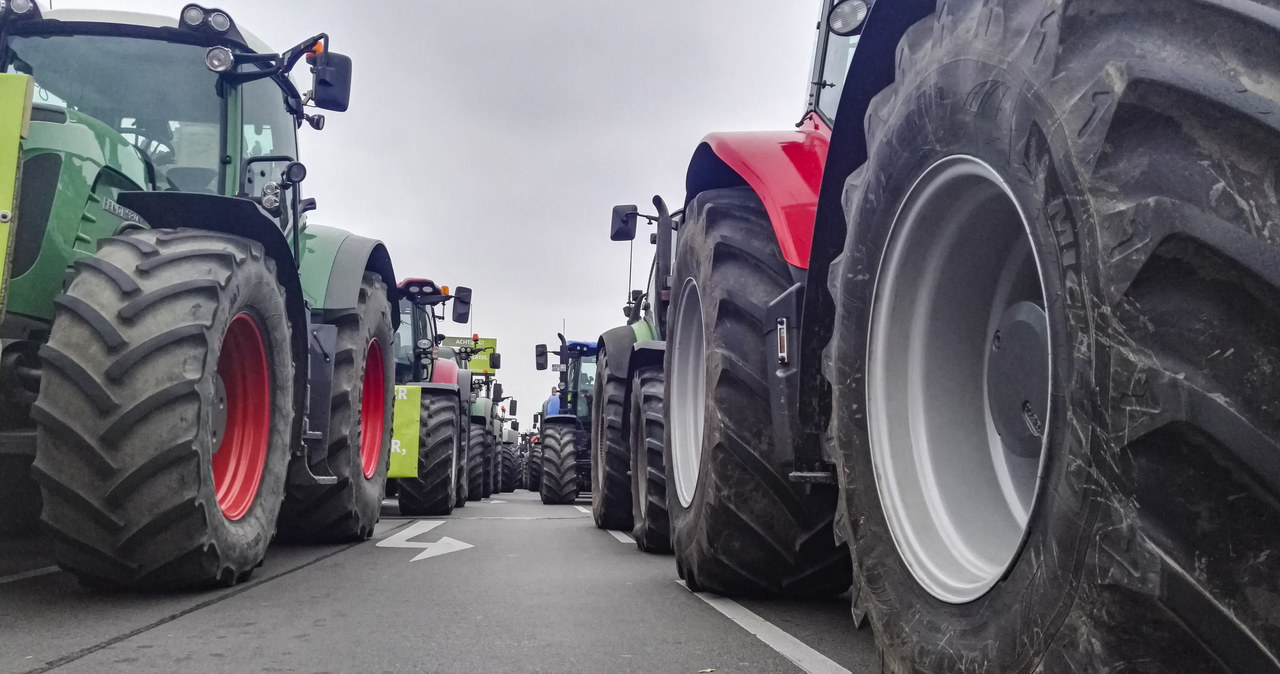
[427, 474]
[628, 477]
[189, 368]
[479, 355]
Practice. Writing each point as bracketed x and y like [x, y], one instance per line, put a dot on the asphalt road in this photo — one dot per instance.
[503, 585]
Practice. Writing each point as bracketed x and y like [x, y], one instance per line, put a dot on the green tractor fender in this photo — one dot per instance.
[332, 266]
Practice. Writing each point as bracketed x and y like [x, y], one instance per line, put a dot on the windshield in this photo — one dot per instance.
[835, 69]
[404, 341]
[158, 95]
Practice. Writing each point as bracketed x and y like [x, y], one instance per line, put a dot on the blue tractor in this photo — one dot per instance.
[565, 454]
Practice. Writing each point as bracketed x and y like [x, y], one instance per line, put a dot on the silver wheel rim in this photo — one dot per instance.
[958, 301]
[688, 393]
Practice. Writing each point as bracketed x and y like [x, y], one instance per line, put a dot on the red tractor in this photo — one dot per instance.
[1001, 348]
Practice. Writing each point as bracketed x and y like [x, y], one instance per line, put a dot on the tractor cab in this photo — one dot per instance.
[418, 339]
[577, 368]
[126, 103]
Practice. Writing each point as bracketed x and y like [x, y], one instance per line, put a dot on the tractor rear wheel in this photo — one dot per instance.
[433, 491]
[559, 483]
[652, 530]
[610, 455]
[738, 524]
[475, 462]
[1055, 363]
[165, 411]
[359, 428]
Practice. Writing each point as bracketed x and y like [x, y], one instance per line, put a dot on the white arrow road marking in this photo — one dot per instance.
[622, 538]
[583, 509]
[441, 547]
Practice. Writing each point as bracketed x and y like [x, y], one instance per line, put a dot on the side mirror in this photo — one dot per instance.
[439, 338]
[515, 425]
[540, 356]
[497, 392]
[623, 227]
[461, 304]
[847, 16]
[537, 419]
[495, 362]
[331, 85]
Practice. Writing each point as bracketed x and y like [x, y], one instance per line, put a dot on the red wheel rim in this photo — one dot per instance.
[242, 454]
[373, 408]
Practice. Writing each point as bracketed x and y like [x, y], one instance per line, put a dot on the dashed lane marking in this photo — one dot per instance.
[28, 574]
[791, 648]
[581, 509]
[622, 538]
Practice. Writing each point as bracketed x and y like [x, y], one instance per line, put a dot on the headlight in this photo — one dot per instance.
[193, 16]
[20, 6]
[219, 59]
[847, 16]
[219, 22]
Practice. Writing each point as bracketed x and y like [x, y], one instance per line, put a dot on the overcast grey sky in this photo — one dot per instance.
[488, 139]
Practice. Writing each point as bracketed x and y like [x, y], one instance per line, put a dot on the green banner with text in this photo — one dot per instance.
[406, 416]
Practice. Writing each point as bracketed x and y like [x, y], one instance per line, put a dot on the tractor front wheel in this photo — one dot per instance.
[433, 491]
[165, 411]
[559, 484]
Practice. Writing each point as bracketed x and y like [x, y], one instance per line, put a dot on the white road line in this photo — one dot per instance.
[28, 574]
[622, 538]
[790, 647]
[583, 509]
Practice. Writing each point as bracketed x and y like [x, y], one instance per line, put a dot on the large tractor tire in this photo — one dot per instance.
[610, 455]
[559, 483]
[1056, 358]
[522, 473]
[490, 460]
[533, 473]
[475, 462]
[462, 479]
[510, 469]
[359, 428]
[652, 530]
[433, 492]
[739, 526]
[165, 411]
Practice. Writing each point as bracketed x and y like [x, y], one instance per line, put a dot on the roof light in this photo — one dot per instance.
[847, 17]
[20, 6]
[219, 59]
[193, 16]
[415, 289]
[220, 22]
[444, 289]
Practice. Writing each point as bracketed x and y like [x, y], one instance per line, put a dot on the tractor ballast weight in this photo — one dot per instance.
[151, 212]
